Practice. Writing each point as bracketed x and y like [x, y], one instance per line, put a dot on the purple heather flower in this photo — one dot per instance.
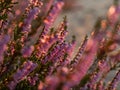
[45, 41]
[62, 29]
[12, 85]
[48, 21]
[115, 81]
[61, 52]
[63, 35]
[3, 45]
[27, 67]
[93, 80]
[27, 22]
[69, 49]
[35, 3]
[32, 80]
[26, 28]
[31, 15]
[45, 44]
[53, 52]
[101, 85]
[80, 52]
[27, 51]
[113, 14]
[58, 58]
[52, 15]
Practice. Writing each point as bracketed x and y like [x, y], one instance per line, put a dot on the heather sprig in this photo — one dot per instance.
[5, 8]
[114, 82]
[21, 74]
[79, 54]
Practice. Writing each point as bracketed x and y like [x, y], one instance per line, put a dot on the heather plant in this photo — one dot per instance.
[34, 55]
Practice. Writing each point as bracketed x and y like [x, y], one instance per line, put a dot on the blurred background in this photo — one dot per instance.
[82, 15]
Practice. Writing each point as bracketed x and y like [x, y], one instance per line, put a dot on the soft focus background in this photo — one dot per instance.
[82, 15]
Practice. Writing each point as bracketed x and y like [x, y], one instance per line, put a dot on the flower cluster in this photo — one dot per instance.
[34, 55]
